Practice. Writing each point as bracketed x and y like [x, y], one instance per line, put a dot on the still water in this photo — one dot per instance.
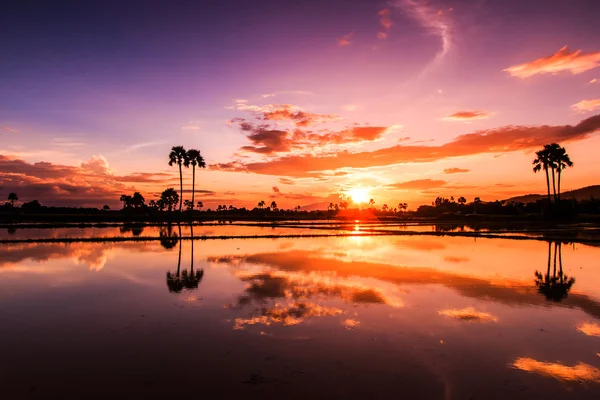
[339, 317]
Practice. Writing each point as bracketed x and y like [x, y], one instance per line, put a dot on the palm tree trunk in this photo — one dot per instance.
[549, 257]
[179, 259]
[192, 244]
[560, 269]
[548, 184]
[180, 188]
[194, 184]
[554, 270]
[553, 185]
[558, 184]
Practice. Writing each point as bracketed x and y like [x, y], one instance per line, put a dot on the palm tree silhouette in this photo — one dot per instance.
[178, 156]
[554, 287]
[261, 204]
[192, 280]
[12, 197]
[273, 205]
[542, 161]
[562, 161]
[195, 158]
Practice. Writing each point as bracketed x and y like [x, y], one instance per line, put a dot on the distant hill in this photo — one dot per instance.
[578, 194]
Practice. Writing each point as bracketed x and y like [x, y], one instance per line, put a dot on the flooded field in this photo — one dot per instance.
[326, 317]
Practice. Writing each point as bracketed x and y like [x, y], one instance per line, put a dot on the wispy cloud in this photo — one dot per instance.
[586, 106]
[436, 23]
[466, 116]
[564, 60]
[138, 146]
[456, 170]
[386, 23]
[9, 129]
[419, 184]
[345, 40]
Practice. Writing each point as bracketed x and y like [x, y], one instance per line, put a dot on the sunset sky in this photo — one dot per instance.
[296, 101]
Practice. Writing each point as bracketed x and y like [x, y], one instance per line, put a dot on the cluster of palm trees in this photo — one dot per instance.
[184, 158]
[553, 159]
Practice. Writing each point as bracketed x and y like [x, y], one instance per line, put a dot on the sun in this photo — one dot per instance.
[359, 195]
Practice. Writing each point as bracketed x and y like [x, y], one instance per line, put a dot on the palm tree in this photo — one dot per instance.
[169, 198]
[200, 205]
[542, 161]
[371, 203]
[273, 205]
[461, 200]
[562, 161]
[196, 159]
[261, 204]
[12, 197]
[178, 156]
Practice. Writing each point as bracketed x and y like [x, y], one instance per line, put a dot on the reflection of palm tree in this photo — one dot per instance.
[555, 287]
[183, 279]
[168, 239]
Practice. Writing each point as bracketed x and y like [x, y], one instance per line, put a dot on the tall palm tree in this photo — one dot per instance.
[12, 197]
[562, 161]
[196, 160]
[542, 161]
[178, 156]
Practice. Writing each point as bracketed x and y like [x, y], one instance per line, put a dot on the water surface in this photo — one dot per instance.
[341, 317]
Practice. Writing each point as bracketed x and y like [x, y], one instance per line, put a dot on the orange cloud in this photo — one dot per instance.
[456, 170]
[581, 372]
[345, 40]
[500, 140]
[419, 184]
[266, 140]
[564, 60]
[586, 105]
[468, 115]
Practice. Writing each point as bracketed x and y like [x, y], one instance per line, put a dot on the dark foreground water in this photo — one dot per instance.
[354, 317]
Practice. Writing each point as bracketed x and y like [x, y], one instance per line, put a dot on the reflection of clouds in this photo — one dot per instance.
[313, 263]
[589, 328]
[350, 323]
[580, 372]
[298, 286]
[468, 314]
[94, 257]
[287, 314]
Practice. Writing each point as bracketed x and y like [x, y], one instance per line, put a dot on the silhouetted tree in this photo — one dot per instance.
[384, 208]
[31, 206]
[195, 159]
[12, 197]
[126, 199]
[402, 206]
[562, 161]
[371, 203]
[178, 156]
[200, 205]
[189, 206]
[106, 207]
[476, 202]
[461, 200]
[543, 161]
[273, 205]
[261, 204]
[169, 198]
[137, 201]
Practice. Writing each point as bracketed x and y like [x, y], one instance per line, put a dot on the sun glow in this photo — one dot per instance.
[359, 195]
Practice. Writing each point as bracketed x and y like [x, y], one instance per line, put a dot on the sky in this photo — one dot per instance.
[296, 102]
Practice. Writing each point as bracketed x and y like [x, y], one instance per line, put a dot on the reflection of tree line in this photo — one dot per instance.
[555, 287]
[180, 280]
